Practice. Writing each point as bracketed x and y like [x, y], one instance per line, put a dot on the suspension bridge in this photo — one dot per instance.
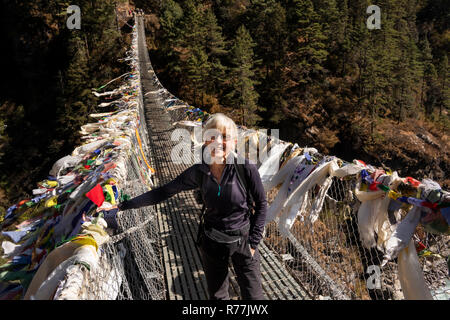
[152, 255]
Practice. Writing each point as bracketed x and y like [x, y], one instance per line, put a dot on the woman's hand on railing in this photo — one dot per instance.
[107, 209]
[110, 215]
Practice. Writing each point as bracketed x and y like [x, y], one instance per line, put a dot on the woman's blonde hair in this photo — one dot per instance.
[220, 121]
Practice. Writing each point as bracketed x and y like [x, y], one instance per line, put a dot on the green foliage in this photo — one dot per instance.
[52, 71]
[320, 64]
[308, 67]
[243, 95]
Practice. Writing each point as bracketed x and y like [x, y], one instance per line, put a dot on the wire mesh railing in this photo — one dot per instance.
[130, 261]
[62, 244]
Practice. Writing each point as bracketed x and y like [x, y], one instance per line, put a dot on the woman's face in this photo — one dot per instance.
[220, 143]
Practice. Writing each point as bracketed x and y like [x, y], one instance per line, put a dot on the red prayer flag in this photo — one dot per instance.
[420, 246]
[430, 205]
[373, 186]
[412, 181]
[96, 195]
[23, 202]
[362, 162]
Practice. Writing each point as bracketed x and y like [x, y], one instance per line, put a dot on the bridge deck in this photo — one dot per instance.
[179, 215]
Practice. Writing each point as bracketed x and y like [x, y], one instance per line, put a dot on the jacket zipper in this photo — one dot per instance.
[218, 184]
[221, 178]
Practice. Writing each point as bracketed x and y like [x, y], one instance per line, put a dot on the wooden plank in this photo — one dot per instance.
[270, 277]
[164, 250]
[277, 274]
[174, 280]
[267, 287]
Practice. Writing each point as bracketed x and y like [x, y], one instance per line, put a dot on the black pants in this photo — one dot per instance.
[215, 258]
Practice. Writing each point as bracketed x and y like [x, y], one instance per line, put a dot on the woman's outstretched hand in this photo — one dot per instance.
[107, 209]
[110, 215]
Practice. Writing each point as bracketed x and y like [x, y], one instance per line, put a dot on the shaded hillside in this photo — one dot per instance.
[50, 72]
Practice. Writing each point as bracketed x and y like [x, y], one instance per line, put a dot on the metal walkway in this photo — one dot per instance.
[179, 215]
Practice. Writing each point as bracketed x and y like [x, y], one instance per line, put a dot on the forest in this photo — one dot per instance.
[315, 71]
[311, 68]
[50, 72]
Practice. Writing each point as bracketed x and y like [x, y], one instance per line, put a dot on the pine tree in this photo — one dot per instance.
[329, 19]
[430, 87]
[197, 68]
[402, 56]
[309, 49]
[267, 23]
[215, 50]
[243, 96]
[193, 33]
[444, 75]
[171, 16]
[194, 62]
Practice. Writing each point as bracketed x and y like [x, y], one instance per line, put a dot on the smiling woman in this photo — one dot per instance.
[228, 230]
[220, 135]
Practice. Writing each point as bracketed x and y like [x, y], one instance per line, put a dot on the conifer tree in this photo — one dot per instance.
[197, 67]
[171, 15]
[444, 76]
[215, 50]
[267, 23]
[243, 96]
[430, 88]
[309, 49]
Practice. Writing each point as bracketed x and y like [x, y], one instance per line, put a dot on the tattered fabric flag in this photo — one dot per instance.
[374, 186]
[362, 162]
[420, 246]
[412, 181]
[52, 201]
[15, 236]
[96, 195]
[10, 211]
[110, 194]
[85, 240]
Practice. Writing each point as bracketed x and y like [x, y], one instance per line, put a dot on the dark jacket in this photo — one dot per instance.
[225, 210]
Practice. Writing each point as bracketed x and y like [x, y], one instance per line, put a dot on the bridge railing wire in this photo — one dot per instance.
[134, 252]
[73, 249]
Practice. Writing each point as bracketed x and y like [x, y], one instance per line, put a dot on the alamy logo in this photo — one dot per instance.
[374, 20]
[187, 149]
[74, 21]
[374, 281]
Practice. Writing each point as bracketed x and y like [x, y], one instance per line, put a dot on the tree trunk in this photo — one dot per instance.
[443, 97]
[401, 105]
[61, 81]
[87, 47]
[195, 95]
[421, 93]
